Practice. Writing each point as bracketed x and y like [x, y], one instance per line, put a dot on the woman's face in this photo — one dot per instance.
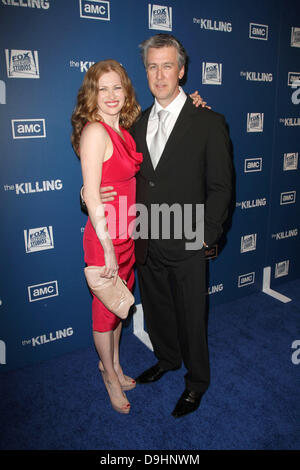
[111, 95]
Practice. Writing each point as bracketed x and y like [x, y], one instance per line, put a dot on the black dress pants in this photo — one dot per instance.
[173, 295]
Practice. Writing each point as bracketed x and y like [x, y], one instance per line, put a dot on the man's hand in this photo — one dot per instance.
[198, 101]
[107, 194]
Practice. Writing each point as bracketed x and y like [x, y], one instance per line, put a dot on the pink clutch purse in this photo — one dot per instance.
[116, 298]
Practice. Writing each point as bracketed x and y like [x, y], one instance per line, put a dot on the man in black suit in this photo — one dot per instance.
[186, 163]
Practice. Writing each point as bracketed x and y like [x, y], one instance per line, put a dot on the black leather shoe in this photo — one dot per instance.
[151, 375]
[187, 403]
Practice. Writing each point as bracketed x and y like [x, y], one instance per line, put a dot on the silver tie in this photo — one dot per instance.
[159, 139]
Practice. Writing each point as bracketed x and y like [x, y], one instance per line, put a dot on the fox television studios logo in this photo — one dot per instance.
[295, 37]
[255, 122]
[282, 268]
[290, 161]
[22, 63]
[211, 73]
[248, 243]
[38, 239]
[160, 17]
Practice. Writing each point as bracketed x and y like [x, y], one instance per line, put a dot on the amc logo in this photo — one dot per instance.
[258, 31]
[289, 197]
[28, 128]
[253, 164]
[42, 291]
[95, 9]
[246, 279]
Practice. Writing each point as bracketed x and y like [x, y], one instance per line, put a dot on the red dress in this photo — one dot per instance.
[118, 171]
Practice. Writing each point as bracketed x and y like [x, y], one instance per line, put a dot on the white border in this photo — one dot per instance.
[248, 160]
[255, 37]
[295, 159]
[262, 123]
[248, 283]
[161, 28]
[287, 265]
[291, 202]
[95, 17]
[28, 136]
[22, 74]
[138, 327]
[37, 285]
[242, 242]
[295, 73]
[292, 34]
[266, 287]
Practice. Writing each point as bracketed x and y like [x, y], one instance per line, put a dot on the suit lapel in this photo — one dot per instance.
[146, 166]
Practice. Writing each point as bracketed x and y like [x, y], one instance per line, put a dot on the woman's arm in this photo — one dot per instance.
[95, 146]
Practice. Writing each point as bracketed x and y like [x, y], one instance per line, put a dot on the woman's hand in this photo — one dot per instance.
[107, 194]
[111, 265]
[198, 101]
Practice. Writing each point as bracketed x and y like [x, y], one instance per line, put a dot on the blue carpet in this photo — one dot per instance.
[252, 403]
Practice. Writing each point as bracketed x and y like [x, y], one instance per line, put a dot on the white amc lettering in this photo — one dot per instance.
[28, 128]
[259, 31]
[97, 9]
[247, 279]
[253, 164]
[43, 291]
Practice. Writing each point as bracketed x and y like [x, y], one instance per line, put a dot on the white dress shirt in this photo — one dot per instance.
[174, 109]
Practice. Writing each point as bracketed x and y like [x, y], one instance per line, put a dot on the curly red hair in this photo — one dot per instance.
[86, 109]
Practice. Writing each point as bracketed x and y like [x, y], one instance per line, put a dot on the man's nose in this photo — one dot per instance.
[159, 73]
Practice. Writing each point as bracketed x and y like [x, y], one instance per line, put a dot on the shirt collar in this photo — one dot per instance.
[178, 102]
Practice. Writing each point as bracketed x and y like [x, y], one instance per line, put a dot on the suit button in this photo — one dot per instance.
[151, 184]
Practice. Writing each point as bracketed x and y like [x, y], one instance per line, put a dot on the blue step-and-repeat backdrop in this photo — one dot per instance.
[244, 58]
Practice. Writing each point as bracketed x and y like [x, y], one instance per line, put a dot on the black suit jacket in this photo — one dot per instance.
[195, 168]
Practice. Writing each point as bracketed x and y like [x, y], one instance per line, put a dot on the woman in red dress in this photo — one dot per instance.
[106, 107]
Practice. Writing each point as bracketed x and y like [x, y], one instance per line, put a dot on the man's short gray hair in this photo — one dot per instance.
[163, 40]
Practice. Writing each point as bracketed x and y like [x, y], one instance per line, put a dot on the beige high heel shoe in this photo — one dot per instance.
[120, 405]
[126, 382]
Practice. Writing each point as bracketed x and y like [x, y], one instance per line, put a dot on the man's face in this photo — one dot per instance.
[163, 74]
